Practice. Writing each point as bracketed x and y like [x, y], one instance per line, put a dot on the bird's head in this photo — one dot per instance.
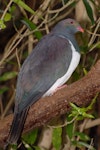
[68, 26]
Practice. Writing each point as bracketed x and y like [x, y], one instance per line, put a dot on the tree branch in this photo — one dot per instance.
[80, 93]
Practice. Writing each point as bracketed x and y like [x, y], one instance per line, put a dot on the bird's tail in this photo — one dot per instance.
[16, 127]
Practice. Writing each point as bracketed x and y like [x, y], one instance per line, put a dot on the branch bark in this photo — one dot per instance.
[80, 93]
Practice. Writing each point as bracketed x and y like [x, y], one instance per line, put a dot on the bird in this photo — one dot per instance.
[48, 67]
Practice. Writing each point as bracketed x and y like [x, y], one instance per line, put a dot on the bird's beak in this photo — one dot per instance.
[80, 29]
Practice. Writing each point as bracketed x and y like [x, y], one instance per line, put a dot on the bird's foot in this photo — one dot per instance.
[57, 89]
[61, 87]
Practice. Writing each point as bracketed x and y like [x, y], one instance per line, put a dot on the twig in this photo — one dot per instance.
[46, 25]
[18, 61]
[63, 125]
[94, 34]
[62, 8]
[5, 11]
[91, 123]
[94, 46]
[8, 106]
[61, 17]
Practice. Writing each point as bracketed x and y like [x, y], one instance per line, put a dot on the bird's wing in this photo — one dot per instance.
[48, 62]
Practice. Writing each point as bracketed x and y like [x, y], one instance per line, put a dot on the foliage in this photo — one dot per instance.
[32, 27]
[79, 139]
[56, 138]
[89, 10]
[8, 15]
[8, 75]
[31, 137]
[24, 6]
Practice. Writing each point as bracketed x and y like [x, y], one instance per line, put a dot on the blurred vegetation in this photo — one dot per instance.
[22, 24]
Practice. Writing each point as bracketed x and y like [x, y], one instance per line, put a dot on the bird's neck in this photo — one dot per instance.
[71, 37]
[73, 41]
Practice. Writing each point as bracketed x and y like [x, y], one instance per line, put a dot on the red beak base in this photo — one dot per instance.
[80, 29]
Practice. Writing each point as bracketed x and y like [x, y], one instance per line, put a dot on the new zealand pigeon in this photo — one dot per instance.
[49, 66]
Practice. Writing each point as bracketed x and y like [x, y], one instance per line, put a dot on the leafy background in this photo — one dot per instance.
[22, 25]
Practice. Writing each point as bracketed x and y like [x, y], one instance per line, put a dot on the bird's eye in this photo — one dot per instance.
[71, 22]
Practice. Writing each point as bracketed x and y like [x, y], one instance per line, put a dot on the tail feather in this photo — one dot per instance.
[17, 127]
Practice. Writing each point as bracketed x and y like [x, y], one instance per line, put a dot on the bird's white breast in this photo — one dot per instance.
[74, 63]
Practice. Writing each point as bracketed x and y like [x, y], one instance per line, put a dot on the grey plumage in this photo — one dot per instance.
[38, 74]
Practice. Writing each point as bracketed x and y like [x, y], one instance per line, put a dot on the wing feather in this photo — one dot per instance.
[48, 61]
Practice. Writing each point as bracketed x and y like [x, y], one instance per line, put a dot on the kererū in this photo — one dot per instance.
[49, 66]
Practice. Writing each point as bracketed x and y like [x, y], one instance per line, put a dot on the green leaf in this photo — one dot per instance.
[30, 138]
[93, 102]
[76, 76]
[12, 9]
[7, 17]
[4, 89]
[85, 115]
[85, 71]
[56, 139]
[81, 144]
[32, 27]
[89, 10]
[84, 48]
[8, 75]
[98, 45]
[36, 148]
[82, 136]
[12, 147]
[70, 128]
[81, 113]
[2, 25]
[24, 6]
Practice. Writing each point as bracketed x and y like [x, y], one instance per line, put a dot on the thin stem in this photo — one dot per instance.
[5, 11]
[94, 34]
